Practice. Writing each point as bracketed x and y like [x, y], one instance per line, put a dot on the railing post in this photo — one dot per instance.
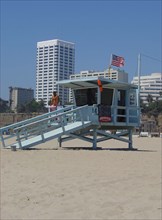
[18, 139]
[2, 139]
[42, 135]
[62, 123]
[94, 139]
[59, 142]
[115, 114]
[81, 116]
[127, 115]
[130, 139]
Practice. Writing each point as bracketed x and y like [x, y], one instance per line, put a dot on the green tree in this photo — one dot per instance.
[142, 106]
[149, 98]
[4, 106]
[21, 109]
[32, 106]
[41, 106]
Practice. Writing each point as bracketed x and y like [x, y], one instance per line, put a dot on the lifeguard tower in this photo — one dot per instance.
[103, 109]
[111, 106]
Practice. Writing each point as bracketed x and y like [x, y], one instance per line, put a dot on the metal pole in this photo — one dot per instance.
[110, 60]
[130, 139]
[139, 82]
[139, 73]
[109, 66]
[94, 139]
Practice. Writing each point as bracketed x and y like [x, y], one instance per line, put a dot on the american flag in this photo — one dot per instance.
[117, 61]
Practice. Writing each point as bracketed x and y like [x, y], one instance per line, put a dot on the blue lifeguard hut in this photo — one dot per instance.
[110, 106]
[103, 109]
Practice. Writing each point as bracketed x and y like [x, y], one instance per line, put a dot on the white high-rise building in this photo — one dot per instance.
[55, 62]
[149, 85]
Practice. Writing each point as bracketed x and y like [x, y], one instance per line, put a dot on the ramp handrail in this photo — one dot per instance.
[10, 128]
[44, 124]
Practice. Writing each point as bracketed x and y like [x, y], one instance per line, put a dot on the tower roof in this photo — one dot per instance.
[92, 82]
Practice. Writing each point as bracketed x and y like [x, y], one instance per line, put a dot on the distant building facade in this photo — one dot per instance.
[55, 62]
[149, 85]
[19, 96]
[112, 74]
[119, 75]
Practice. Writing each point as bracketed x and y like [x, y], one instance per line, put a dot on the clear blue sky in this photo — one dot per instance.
[98, 29]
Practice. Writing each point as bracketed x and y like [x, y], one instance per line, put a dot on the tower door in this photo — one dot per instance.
[121, 110]
[104, 109]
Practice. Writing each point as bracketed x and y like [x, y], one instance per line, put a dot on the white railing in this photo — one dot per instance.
[60, 118]
[40, 124]
[128, 115]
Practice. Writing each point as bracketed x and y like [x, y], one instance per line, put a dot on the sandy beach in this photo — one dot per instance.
[79, 183]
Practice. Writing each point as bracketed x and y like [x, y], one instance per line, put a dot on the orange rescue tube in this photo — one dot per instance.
[100, 85]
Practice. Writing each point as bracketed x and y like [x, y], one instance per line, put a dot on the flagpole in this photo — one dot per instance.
[139, 79]
[109, 65]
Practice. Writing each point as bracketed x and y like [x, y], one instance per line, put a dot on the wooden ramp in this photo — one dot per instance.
[43, 128]
[65, 124]
[75, 126]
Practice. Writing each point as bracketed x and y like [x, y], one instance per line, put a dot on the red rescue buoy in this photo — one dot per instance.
[100, 85]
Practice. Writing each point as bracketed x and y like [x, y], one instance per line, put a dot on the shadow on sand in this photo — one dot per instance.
[91, 149]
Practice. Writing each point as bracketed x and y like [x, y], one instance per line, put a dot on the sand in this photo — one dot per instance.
[79, 183]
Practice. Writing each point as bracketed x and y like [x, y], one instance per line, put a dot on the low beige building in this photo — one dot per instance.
[19, 96]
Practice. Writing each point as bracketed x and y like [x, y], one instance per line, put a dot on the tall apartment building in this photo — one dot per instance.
[149, 85]
[55, 62]
[111, 73]
[19, 96]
